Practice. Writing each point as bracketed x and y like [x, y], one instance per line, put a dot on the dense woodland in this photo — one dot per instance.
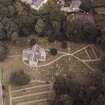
[18, 20]
[70, 92]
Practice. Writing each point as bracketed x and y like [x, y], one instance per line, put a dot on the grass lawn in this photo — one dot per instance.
[67, 65]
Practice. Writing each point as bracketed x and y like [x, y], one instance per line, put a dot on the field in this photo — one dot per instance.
[78, 61]
[36, 92]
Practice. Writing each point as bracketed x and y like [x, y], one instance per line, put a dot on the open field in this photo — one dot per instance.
[74, 61]
[35, 93]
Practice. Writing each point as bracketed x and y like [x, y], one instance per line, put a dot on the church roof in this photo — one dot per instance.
[35, 4]
[34, 55]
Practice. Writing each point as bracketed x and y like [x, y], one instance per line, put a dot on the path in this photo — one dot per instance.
[73, 55]
[64, 54]
[39, 93]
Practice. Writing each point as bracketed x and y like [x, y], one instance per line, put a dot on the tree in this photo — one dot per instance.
[81, 28]
[64, 45]
[53, 51]
[3, 35]
[25, 30]
[73, 28]
[101, 41]
[19, 78]
[86, 5]
[40, 26]
[56, 26]
[14, 37]
[3, 51]
[102, 65]
[11, 10]
[90, 32]
[51, 38]
[10, 28]
[60, 86]
[6, 2]
[62, 100]
[32, 42]
[70, 92]
[3, 10]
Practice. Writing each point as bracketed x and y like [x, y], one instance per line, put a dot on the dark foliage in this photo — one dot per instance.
[15, 17]
[3, 51]
[53, 51]
[32, 42]
[25, 30]
[69, 92]
[60, 86]
[86, 5]
[19, 78]
[64, 45]
[101, 64]
[101, 41]
[90, 32]
[81, 28]
[51, 38]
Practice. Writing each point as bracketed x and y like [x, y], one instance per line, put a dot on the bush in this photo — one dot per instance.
[90, 32]
[3, 52]
[60, 85]
[32, 42]
[102, 64]
[101, 41]
[63, 45]
[40, 26]
[51, 38]
[80, 31]
[53, 51]
[25, 30]
[3, 35]
[86, 6]
[19, 78]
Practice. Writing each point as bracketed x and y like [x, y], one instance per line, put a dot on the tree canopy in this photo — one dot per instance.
[70, 92]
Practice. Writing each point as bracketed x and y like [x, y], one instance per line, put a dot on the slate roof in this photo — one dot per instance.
[70, 6]
[34, 54]
[35, 4]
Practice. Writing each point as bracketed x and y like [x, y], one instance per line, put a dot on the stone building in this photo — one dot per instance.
[34, 55]
[35, 4]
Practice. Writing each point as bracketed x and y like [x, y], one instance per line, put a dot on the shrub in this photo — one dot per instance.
[102, 64]
[3, 35]
[51, 38]
[25, 30]
[32, 42]
[63, 45]
[19, 78]
[3, 51]
[53, 51]
[86, 6]
[90, 32]
[80, 31]
[40, 26]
